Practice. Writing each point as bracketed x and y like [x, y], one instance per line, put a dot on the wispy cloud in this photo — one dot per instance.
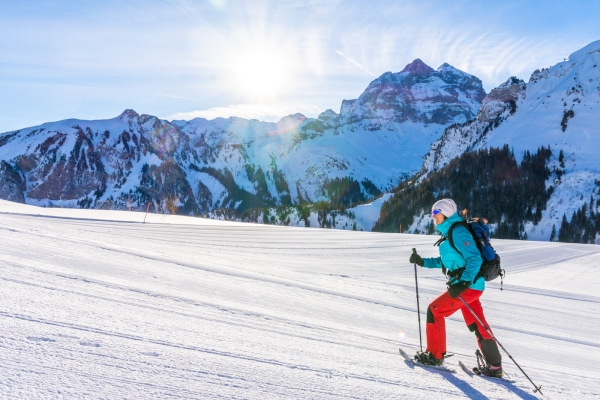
[490, 55]
[492, 50]
[270, 112]
[354, 62]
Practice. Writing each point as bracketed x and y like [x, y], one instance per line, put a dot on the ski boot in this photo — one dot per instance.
[426, 358]
[485, 369]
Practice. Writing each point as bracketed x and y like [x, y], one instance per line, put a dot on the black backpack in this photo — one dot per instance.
[480, 231]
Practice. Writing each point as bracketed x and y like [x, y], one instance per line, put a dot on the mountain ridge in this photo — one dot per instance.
[193, 167]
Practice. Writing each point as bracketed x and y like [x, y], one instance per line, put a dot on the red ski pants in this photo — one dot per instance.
[444, 306]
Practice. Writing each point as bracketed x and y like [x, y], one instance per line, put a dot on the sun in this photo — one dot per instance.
[260, 75]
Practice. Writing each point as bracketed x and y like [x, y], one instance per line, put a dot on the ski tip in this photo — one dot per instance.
[464, 368]
[403, 353]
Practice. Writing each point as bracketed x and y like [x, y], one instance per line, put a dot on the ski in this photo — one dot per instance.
[415, 362]
[474, 372]
[465, 369]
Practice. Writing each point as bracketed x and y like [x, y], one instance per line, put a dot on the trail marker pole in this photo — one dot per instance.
[147, 208]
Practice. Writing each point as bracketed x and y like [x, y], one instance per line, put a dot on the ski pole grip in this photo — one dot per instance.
[414, 251]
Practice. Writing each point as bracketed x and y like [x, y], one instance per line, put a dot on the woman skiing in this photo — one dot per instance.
[461, 268]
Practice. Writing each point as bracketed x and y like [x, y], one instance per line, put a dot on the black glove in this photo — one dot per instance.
[457, 288]
[416, 259]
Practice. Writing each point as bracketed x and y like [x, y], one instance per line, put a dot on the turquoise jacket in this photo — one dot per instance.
[452, 259]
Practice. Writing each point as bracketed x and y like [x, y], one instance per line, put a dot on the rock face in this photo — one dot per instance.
[192, 167]
[12, 183]
[419, 94]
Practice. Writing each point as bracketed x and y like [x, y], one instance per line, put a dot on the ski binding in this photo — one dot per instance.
[415, 362]
[475, 371]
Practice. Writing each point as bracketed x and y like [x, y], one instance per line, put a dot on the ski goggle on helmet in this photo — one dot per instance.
[436, 212]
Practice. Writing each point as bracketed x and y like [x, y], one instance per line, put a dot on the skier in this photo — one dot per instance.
[460, 268]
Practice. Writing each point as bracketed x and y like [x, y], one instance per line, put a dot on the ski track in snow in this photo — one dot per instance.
[110, 309]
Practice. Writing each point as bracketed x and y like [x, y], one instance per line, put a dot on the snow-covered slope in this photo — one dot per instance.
[193, 167]
[195, 308]
[559, 107]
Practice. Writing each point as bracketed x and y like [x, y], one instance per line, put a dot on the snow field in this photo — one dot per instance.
[196, 308]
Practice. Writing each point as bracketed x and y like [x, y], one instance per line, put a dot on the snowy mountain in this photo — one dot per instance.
[558, 108]
[417, 94]
[497, 106]
[192, 308]
[193, 167]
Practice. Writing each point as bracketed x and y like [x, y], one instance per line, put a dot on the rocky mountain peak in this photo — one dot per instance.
[419, 94]
[446, 68]
[417, 67]
[347, 107]
[508, 92]
[328, 115]
[128, 114]
[293, 118]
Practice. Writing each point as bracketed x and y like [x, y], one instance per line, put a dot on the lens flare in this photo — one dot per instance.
[402, 335]
[287, 125]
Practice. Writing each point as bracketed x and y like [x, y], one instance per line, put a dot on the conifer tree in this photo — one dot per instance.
[553, 234]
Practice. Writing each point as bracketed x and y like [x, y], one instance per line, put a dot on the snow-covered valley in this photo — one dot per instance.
[97, 304]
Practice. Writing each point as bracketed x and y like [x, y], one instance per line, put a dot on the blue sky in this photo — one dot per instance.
[264, 59]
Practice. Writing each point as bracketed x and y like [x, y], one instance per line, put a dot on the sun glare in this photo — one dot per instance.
[261, 76]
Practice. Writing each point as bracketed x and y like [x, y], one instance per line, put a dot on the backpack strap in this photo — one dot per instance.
[451, 229]
[440, 241]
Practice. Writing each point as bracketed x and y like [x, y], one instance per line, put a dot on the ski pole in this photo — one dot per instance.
[537, 388]
[418, 308]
